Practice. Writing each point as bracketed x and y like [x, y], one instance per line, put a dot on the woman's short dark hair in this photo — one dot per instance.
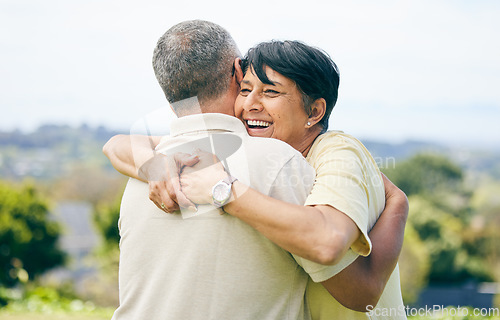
[312, 69]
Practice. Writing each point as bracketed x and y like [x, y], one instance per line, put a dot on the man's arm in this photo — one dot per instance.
[362, 283]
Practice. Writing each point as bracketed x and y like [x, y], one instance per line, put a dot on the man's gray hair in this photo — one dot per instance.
[195, 58]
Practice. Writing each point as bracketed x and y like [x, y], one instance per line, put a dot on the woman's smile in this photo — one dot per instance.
[272, 110]
[258, 128]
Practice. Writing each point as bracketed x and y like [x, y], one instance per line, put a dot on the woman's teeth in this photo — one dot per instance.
[258, 123]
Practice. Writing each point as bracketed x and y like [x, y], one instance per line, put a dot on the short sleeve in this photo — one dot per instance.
[319, 272]
[341, 183]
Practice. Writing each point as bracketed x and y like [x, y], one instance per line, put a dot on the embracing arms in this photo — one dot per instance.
[318, 233]
[305, 231]
[286, 227]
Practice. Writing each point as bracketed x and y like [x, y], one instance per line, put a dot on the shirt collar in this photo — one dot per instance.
[206, 122]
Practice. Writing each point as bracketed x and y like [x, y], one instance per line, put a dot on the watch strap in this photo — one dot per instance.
[229, 179]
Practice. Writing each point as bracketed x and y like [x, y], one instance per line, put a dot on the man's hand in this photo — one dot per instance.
[162, 173]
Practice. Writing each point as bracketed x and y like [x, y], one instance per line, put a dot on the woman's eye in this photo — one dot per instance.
[271, 92]
[245, 92]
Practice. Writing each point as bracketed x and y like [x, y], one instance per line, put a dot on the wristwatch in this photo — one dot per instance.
[221, 191]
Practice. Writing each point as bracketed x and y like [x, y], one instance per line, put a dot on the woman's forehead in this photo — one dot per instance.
[275, 77]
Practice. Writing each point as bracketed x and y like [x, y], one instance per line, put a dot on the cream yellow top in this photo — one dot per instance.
[348, 179]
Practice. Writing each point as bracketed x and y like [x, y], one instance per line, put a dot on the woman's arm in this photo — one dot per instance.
[135, 156]
[362, 283]
[320, 233]
[128, 154]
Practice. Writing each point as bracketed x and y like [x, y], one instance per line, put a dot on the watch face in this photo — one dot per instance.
[221, 192]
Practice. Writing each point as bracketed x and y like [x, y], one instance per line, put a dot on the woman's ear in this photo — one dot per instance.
[318, 110]
[238, 72]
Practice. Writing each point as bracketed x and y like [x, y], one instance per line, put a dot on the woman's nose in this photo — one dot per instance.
[252, 103]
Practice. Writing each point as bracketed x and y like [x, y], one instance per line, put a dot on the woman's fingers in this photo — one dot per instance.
[185, 160]
[182, 200]
[160, 194]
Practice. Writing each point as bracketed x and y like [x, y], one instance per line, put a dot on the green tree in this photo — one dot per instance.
[454, 255]
[106, 216]
[426, 174]
[28, 238]
[414, 265]
[442, 217]
[103, 286]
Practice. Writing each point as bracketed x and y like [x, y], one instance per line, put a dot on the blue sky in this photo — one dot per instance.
[426, 70]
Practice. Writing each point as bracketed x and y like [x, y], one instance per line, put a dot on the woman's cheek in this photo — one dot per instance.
[238, 110]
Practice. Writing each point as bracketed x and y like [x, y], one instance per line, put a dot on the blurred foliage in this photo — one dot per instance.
[454, 255]
[426, 174]
[106, 216]
[414, 265]
[451, 229]
[485, 224]
[27, 236]
[49, 301]
[67, 164]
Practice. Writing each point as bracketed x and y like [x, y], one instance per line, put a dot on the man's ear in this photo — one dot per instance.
[318, 110]
[238, 72]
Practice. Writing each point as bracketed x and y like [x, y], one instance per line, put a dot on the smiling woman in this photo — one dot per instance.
[288, 92]
[268, 110]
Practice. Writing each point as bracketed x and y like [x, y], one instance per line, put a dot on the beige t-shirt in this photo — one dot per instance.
[348, 179]
[213, 265]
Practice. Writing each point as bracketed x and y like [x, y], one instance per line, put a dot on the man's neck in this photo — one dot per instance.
[220, 105]
[223, 105]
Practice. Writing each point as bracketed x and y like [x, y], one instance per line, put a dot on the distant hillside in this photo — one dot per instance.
[52, 150]
[483, 161]
[401, 150]
[48, 136]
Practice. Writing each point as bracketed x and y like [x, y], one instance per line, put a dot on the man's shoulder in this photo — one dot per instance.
[276, 157]
[271, 145]
[278, 170]
[272, 152]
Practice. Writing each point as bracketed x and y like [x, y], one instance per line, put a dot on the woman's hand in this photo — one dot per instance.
[197, 181]
[163, 173]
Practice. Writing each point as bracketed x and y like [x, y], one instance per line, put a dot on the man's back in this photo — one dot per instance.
[213, 266]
